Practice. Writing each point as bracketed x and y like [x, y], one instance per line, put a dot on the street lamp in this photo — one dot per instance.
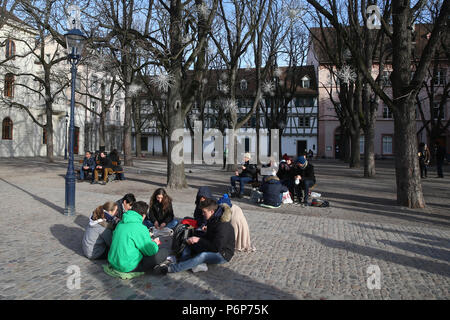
[74, 41]
[65, 137]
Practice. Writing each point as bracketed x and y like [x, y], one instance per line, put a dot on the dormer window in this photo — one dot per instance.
[305, 82]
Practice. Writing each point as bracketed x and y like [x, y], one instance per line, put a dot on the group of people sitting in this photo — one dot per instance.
[296, 177]
[121, 233]
[101, 163]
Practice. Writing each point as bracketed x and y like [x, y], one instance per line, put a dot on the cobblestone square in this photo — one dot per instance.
[302, 253]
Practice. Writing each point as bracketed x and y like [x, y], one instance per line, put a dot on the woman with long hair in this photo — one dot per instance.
[160, 214]
[98, 235]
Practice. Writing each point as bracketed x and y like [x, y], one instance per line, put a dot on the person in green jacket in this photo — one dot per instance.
[132, 248]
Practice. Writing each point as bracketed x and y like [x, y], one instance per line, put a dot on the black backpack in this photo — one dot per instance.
[180, 234]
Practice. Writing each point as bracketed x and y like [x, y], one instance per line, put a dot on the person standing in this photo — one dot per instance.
[424, 159]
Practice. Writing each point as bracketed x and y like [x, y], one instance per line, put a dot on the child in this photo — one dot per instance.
[98, 235]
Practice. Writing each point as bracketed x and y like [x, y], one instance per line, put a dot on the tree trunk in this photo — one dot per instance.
[409, 187]
[354, 149]
[49, 132]
[176, 177]
[128, 161]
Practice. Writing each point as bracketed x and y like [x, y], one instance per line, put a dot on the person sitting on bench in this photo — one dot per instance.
[105, 167]
[115, 157]
[87, 167]
[247, 175]
[304, 178]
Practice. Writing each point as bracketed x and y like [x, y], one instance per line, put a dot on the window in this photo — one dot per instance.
[117, 113]
[387, 144]
[9, 85]
[439, 77]
[44, 136]
[436, 111]
[303, 122]
[243, 85]
[7, 129]
[305, 82]
[10, 49]
[387, 113]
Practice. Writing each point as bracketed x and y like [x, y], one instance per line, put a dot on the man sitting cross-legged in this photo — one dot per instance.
[132, 248]
[216, 246]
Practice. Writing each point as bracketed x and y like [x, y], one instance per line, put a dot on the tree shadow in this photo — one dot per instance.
[365, 208]
[397, 258]
[435, 253]
[49, 204]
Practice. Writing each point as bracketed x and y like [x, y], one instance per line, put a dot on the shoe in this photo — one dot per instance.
[200, 267]
[94, 182]
[172, 259]
[161, 269]
[240, 196]
[103, 183]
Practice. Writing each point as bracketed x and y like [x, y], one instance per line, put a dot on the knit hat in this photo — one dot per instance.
[301, 159]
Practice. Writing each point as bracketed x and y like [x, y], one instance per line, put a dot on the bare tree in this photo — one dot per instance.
[404, 86]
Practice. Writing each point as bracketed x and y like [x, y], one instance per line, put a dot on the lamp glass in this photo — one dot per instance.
[74, 42]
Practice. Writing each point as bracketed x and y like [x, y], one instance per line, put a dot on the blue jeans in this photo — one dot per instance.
[172, 224]
[242, 182]
[82, 173]
[187, 262]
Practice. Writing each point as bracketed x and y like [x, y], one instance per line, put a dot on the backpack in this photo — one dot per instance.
[180, 234]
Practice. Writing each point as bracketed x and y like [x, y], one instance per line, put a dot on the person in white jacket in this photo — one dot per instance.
[98, 235]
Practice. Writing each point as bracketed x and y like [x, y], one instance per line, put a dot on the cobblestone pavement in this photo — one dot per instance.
[302, 253]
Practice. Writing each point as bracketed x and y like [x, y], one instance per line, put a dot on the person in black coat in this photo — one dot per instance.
[272, 190]
[88, 166]
[160, 213]
[303, 179]
[125, 204]
[216, 246]
[105, 167]
[202, 194]
[115, 157]
[247, 175]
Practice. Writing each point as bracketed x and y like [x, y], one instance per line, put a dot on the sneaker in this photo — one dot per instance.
[103, 183]
[161, 269]
[200, 267]
[94, 182]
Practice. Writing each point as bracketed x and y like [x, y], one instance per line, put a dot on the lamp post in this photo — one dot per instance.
[65, 137]
[74, 41]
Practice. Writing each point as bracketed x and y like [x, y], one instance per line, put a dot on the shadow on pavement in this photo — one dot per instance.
[41, 200]
[70, 237]
[397, 258]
